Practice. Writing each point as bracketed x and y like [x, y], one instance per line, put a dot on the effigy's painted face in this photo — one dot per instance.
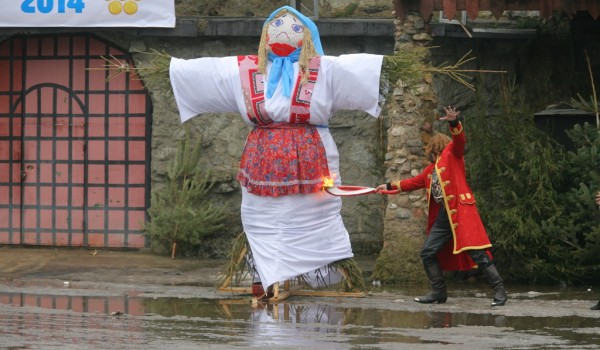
[284, 34]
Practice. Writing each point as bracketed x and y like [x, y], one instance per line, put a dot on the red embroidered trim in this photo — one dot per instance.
[253, 88]
[283, 159]
[300, 108]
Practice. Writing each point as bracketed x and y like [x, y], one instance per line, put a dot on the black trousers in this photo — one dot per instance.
[439, 235]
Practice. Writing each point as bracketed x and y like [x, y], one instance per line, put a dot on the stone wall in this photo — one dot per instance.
[410, 119]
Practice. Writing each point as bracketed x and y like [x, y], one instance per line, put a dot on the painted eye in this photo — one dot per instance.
[277, 22]
[297, 28]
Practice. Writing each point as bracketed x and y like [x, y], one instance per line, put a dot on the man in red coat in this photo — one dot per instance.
[456, 238]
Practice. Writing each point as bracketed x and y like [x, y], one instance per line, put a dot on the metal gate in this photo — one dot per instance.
[74, 147]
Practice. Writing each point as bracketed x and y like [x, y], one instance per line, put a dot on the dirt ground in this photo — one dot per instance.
[105, 266]
[115, 270]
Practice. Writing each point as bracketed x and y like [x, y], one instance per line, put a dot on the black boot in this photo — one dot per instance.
[596, 307]
[496, 281]
[438, 285]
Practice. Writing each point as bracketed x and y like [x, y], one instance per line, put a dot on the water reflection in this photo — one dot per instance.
[282, 312]
[129, 304]
[303, 323]
[86, 320]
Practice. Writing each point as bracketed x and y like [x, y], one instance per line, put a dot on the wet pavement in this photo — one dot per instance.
[78, 299]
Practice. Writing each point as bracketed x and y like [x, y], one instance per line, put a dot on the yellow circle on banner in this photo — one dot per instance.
[130, 7]
[115, 7]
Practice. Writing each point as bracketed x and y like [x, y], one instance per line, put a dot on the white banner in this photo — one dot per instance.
[88, 13]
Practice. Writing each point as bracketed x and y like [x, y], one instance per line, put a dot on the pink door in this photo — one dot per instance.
[74, 148]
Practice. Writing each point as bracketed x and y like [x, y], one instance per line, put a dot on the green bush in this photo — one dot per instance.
[580, 222]
[180, 214]
[512, 168]
[535, 198]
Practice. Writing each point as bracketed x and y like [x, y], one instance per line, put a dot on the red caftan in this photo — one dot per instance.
[467, 229]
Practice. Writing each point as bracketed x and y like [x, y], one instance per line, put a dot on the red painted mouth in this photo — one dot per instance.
[282, 49]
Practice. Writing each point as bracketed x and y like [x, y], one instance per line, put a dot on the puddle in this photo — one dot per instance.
[132, 322]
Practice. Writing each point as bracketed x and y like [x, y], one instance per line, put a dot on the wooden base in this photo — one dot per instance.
[328, 293]
[279, 295]
[236, 290]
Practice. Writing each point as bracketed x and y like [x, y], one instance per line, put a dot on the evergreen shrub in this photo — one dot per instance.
[181, 215]
[536, 199]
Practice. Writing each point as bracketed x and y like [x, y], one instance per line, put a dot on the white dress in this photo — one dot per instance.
[297, 234]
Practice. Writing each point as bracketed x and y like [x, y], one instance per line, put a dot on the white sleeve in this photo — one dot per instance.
[204, 85]
[355, 82]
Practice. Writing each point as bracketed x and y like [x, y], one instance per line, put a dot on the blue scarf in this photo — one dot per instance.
[282, 68]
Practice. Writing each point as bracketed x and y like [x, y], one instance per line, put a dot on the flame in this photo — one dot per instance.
[327, 182]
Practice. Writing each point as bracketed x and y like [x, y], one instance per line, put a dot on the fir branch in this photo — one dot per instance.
[582, 104]
[592, 104]
[408, 66]
[594, 97]
[405, 66]
[154, 72]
